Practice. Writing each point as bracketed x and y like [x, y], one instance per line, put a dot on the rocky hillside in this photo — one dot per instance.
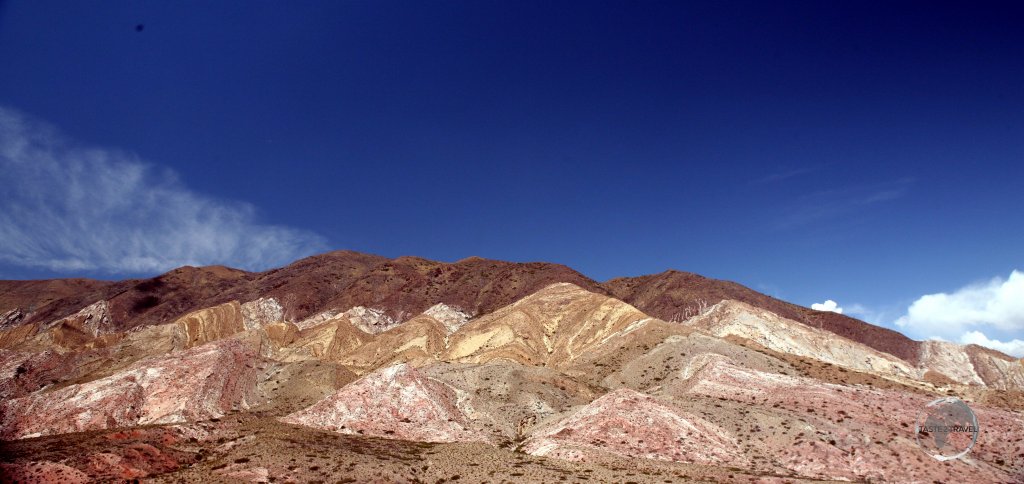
[397, 289]
[676, 296]
[401, 288]
[413, 370]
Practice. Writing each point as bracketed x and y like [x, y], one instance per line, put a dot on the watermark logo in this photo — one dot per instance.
[946, 429]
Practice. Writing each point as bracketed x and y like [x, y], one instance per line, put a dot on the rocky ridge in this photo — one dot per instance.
[565, 373]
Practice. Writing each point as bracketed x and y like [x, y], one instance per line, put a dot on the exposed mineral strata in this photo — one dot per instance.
[632, 424]
[396, 402]
[200, 383]
[665, 377]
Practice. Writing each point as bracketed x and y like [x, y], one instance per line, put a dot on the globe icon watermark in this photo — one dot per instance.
[946, 429]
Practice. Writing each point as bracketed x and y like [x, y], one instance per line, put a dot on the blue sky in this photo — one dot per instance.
[870, 153]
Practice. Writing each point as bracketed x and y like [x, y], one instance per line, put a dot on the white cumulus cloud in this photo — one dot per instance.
[828, 305]
[68, 208]
[1013, 347]
[967, 314]
[998, 303]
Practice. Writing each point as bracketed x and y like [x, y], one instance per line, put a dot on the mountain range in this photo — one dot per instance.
[350, 366]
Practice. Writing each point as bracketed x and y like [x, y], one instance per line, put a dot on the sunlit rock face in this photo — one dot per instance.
[395, 402]
[318, 319]
[199, 383]
[551, 327]
[94, 319]
[261, 312]
[452, 318]
[733, 318]
[632, 424]
[371, 320]
[211, 324]
[67, 333]
[996, 369]
[418, 341]
[830, 431]
[487, 358]
[951, 360]
[333, 339]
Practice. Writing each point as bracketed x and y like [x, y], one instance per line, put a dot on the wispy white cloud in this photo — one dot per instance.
[834, 203]
[828, 305]
[68, 208]
[971, 312]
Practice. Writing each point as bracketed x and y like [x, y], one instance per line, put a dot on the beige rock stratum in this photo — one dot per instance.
[559, 381]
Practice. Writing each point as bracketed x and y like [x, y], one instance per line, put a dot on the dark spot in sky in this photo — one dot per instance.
[139, 27]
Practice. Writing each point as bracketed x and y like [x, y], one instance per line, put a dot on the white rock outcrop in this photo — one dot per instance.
[261, 312]
[370, 320]
[451, 317]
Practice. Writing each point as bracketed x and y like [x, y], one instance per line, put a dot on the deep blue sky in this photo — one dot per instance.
[868, 152]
